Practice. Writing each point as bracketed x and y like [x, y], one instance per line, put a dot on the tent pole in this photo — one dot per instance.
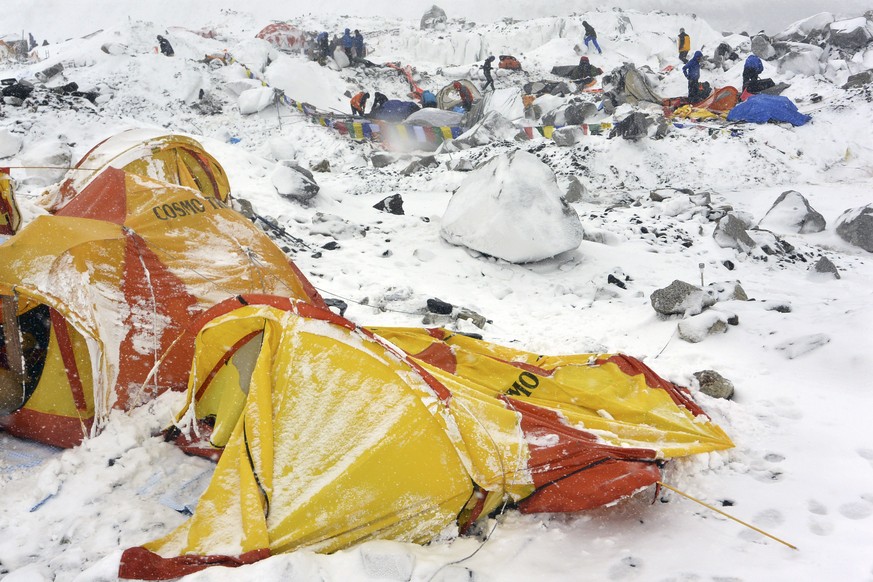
[729, 516]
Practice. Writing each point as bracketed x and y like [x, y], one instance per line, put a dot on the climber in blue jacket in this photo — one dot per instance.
[691, 70]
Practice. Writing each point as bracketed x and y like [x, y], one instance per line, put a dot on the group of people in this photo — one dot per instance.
[752, 68]
[352, 44]
[359, 103]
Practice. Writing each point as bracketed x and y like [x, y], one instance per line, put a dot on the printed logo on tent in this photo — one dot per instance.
[185, 208]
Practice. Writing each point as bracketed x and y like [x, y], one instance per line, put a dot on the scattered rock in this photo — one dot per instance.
[850, 35]
[244, 207]
[393, 204]
[576, 190]
[824, 265]
[435, 18]
[568, 136]
[460, 165]
[695, 329]
[714, 384]
[729, 291]
[613, 280]
[855, 226]
[293, 182]
[439, 307]
[681, 298]
[777, 306]
[633, 127]
[382, 159]
[730, 233]
[762, 47]
[791, 212]
[859, 79]
[322, 166]
[419, 164]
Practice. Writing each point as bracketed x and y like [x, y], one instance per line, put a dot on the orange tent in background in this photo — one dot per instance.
[283, 36]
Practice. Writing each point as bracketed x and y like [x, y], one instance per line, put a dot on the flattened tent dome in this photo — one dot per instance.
[171, 158]
[455, 447]
[119, 291]
[283, 36]
[448, 98]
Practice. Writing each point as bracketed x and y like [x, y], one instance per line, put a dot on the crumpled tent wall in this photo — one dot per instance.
[10, 217]
[170, 158]
[462, 426]
[448, 98]
[127, 264]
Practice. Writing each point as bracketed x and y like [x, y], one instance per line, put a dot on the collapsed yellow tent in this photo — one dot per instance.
[169, 158]
[10, 217]
[329, 435]
[101, 293]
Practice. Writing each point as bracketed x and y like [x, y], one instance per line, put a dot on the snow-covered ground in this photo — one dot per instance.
[802, 468]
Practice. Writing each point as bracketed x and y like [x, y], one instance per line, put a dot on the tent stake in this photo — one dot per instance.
[729, 516]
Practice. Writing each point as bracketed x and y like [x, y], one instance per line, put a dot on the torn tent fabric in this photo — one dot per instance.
[333, 436]
[113, 281]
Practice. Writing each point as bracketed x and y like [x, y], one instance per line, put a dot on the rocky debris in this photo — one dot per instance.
[859, 79]
[791, 212]
[207, 104]
[293, 182]
[336, 227]
[568, 136]
[714, 384]
[797, 347]
[439, 306]
[49, 72]
[850, 35]
[572, 114]
[434, 18]
[338, 304]
[393, 205]
[633, 127]
[826, 266]
[382, 159]
[681, 298]
[730, 233]
[460, 165]
[511, 208]
[244, 207]
[419, 164]
[576, 190]
[855, 226]
[696, 328]
[729, 291]
[763, 47]
[777, 306]
[323, 166]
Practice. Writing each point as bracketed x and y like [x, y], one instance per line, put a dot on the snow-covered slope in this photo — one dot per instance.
[800, 417]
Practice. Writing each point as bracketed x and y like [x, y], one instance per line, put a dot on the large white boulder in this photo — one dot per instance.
[511, 208]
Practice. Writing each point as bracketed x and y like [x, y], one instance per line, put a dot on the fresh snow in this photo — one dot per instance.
[799, 357]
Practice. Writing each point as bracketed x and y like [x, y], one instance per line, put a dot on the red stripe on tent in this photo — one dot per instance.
[529, 368]
[439, 355]
[575, 472]
[632, 367]
[104, 198]
[142, 564]
[69, 358]
[204, 165]
[49, 428]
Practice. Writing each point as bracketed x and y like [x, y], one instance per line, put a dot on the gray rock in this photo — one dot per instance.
[576, 191]
[244, 207]
[681, 298]
[824, 265]
[392, 204]
[728, 291]
[433, 18]
[859, 79]
[382, 159]
[293, 182]
[697, 328]
[762, 47]
[568, 136]
[792, 212]
[851, 40]
[577, 113]
[714, 384]
[730, 233]
[855, 226]
[460, 165]
[322, 166]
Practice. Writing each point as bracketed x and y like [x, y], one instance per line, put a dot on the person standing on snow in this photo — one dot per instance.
[358, 43]
[321, 42]
[464, 94]
[358, 103]
[684, 45]
[347, 43]
[751, 69]
[378, 101]
[590, 36]
[691, 70]
[486, 70]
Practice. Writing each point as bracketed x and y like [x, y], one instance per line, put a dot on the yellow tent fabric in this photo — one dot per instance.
[594, 392]
[338, 442]
[10, 217]
[128, 287]
[169, 158]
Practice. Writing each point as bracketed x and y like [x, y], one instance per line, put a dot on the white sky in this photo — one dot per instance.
[70, 20]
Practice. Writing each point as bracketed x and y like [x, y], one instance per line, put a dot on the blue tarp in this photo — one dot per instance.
[764, 108]
[395, 110]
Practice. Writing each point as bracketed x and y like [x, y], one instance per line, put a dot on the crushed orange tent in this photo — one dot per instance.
[106, 287]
